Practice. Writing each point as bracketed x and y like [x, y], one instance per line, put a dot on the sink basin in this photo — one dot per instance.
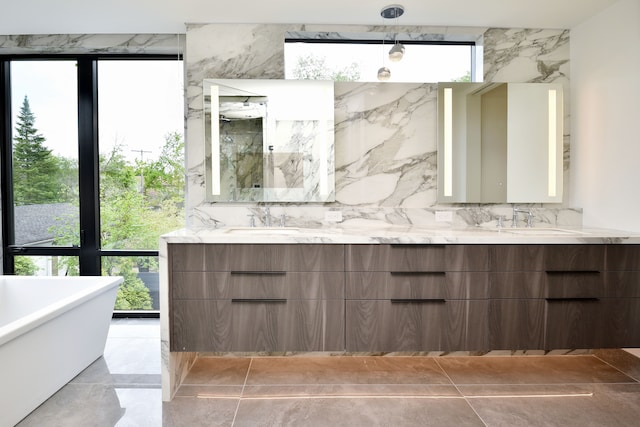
[262, 230]
[548, 231]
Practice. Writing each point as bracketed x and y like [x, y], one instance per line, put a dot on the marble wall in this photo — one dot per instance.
[385, 137]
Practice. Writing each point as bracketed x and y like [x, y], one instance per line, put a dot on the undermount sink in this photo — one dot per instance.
[262, 230]
[541, 230]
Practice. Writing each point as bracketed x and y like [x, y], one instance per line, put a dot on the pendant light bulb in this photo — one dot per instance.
[384, 74]
[397, 52]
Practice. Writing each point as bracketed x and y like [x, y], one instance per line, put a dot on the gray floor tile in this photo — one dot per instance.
[355, 390]
[346, 370]
[530, 370]
[356, 412]
[218, 371]
[622, 360]
[193, 412]
[610, 405]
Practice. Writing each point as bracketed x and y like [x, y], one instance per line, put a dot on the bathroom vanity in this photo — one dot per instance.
[395, 290]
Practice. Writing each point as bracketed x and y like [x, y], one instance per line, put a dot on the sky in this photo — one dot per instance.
[139, 102]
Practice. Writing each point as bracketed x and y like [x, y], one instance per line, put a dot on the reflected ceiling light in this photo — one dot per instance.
[394, 11]
[384, 74]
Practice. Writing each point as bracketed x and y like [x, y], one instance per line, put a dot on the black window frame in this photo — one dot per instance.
[89, 252]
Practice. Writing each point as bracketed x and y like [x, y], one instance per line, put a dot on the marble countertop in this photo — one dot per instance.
[404, 235]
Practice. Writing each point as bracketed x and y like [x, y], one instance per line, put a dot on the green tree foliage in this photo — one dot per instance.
[132, 219]
[465, 78]
[35, 170]
[24, 266]
[312, 67]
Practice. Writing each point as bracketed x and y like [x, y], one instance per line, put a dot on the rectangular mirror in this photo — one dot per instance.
[269, 140]
[500, 142]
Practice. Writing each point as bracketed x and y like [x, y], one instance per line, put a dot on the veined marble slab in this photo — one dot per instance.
[404, 235]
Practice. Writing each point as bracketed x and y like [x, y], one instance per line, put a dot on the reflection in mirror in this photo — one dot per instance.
[500, 142]
[269, 140]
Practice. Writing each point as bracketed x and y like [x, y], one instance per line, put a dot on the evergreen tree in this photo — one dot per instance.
[35, 169]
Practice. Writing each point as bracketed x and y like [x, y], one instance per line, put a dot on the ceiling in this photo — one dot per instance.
[169, 16]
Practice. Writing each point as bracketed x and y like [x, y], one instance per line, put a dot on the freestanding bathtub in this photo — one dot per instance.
[51, 328]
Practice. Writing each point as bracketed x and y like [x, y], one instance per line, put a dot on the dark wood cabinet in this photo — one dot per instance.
[271, 298]
[548, 297]
[416, 297]
[386, 298]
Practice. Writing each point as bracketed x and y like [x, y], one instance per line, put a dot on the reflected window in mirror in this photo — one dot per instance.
[427, 58]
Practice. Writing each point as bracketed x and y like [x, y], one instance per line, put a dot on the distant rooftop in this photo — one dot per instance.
[33, 222]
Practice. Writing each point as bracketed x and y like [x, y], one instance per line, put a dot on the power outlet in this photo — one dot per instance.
[444, 216]
[333, 216]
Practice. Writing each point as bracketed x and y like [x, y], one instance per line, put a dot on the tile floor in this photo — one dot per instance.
[123, 389]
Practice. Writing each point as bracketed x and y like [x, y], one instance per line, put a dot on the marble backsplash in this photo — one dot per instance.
[385, 133]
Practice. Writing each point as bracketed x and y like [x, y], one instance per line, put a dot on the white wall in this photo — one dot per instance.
[605, 88]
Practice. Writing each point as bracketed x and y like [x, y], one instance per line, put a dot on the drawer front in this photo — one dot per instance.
[516, 324]
[518, 284]
[417, 258]
[380, 325]
[417, 285]
[574, 324]
[243, 285]
[272, 326]
[574, 257]
[257, 258]
[517, 258]
[622, 284]
[574, 284]
[623, 257]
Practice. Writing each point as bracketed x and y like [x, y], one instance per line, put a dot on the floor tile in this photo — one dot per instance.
[356, 412]
[80, 405]
[354, 390]
[218, 371]
[194, 412]
[610, 405]
[345, 370]
[530, 370]
[622, 360]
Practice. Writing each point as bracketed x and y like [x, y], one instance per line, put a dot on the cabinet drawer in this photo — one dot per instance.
[257, 258]
[516, 324]
[574, 284]
[380, 325]
[574, 324]
[623, 257]
[384, 325]
[272, 326]
[622, 284]
[228, 285]
[417, 285]
[518, 284]
[548, 257]
[417, 258]
[574, 257]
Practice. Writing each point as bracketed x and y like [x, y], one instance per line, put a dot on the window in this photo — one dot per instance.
[93, 167]
[359, 60]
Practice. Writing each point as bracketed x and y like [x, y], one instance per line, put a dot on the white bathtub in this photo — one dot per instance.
[51, 328]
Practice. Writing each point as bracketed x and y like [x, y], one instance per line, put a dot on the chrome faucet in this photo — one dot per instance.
[516, 210]
[267, 217]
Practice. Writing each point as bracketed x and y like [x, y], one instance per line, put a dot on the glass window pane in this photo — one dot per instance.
[45, 152]
[141, 118]
[140, 289]
[361, 61]
[48, 265]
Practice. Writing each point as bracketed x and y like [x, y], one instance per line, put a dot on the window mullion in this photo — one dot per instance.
[88, 167]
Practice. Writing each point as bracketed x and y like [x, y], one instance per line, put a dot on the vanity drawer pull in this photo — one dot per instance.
[573, 299]
[259, 273]
[418, 301]
[572, 271]
[415, 245]
[418, 273]
[259, 300]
